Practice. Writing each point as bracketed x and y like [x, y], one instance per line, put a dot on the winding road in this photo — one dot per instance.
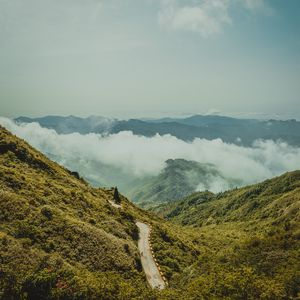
[114, 204]
[151, 269]
[153, 275]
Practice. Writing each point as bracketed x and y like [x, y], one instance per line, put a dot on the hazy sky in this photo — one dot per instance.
[149, 57]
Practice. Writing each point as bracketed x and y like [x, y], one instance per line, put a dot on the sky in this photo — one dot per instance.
[126, 58]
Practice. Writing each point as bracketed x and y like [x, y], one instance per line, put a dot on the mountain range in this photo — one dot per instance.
[178, 177]
[231, 130]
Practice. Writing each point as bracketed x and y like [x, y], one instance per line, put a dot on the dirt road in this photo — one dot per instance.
[112, 203]
[152, 273]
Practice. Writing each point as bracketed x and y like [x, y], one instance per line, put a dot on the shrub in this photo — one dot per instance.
[47, 212]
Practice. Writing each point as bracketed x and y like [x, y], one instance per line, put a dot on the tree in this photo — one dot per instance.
[117, 198]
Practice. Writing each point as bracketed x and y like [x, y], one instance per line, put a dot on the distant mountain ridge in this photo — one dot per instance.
[71, 124]
[178, 179]
[230, 130]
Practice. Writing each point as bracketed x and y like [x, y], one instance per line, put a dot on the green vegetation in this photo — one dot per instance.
[62, 239]
[246, 241]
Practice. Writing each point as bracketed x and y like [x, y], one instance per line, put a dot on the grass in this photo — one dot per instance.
[58, 236]
[246, 241]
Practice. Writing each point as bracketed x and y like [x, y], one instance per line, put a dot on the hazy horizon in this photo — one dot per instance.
[149, 58]
[158, 115]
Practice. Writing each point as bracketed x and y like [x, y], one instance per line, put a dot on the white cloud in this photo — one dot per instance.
[206, 17]
[138, 155]
[214, 184]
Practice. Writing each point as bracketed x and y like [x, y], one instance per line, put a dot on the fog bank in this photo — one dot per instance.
[140, 156]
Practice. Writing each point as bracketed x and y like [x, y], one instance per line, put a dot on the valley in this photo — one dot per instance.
[63, 239]
[149, 150]
[152, 170]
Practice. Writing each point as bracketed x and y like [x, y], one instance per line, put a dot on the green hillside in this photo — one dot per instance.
[274, 199]
[248, 240]
[60, 238]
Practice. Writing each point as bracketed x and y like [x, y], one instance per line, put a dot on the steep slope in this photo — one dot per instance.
[60, 238]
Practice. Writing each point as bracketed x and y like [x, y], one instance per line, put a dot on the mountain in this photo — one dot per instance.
[242, 131]
[178, 179]
[70, 124]
[270, 199]
[62, 239]
[230, 130]
[181, 131]
[206, 120]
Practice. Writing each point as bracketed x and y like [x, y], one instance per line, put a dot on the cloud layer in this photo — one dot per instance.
[140, 156]
[206, 17]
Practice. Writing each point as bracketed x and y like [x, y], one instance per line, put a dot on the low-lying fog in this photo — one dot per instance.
[110, 159]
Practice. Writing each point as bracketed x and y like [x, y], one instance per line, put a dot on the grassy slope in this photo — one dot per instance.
[274, 199]
[59, 236]
[61, 239]
[246, 241]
